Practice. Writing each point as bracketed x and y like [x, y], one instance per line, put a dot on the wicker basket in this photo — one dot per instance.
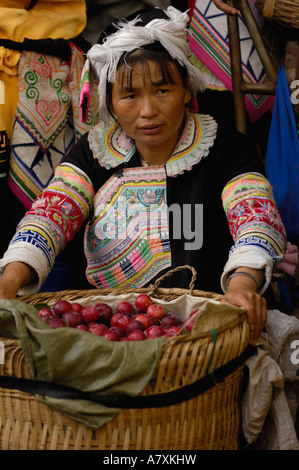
[211, 420]
[284, 12]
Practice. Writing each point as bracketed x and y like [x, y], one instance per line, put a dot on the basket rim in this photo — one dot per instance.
[283, 12]
[84, 293]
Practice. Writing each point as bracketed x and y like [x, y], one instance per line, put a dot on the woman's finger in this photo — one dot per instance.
[224, 7]
[256, 310]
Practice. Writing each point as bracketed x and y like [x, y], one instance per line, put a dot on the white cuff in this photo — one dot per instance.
[248, 258]
[32, 256]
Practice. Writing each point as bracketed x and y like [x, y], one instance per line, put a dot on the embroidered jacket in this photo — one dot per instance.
[209, 206]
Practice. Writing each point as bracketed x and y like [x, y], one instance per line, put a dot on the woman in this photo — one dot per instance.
[152, 179]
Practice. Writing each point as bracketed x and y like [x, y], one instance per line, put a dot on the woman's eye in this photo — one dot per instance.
[130, 97]
[162, 91]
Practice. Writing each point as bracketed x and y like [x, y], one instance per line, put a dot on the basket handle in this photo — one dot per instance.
[154, 287]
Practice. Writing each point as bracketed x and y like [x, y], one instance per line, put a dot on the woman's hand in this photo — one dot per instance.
[224, 7]
[15, 276]
[242, 292]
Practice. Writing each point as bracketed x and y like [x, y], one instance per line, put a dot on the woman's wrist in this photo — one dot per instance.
[15, 275]
[246, 277]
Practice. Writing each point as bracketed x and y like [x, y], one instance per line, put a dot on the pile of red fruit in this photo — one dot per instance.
[130, 322]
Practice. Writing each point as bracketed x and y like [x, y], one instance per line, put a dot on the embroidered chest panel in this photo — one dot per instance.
[127, 241]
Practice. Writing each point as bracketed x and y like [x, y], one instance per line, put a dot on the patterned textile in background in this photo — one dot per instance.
[46, 19]
[208, 37]
[252, 214]
[76, 67]
[127, 241]
[47, 121]
[212, 82]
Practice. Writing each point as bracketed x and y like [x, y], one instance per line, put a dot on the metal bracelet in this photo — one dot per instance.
[243, 273]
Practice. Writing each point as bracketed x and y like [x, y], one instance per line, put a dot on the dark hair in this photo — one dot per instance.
[151, 52]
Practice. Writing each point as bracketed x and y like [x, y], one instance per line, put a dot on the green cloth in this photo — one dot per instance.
[79, 359]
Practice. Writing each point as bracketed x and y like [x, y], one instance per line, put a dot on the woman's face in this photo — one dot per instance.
[150, 111]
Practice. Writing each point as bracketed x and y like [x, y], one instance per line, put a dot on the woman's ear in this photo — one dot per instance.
[111, 112]
[192, 105]
[188, 96]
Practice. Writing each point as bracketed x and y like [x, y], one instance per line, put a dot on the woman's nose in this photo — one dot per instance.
[148, 108]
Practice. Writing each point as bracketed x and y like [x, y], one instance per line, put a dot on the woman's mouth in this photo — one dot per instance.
[151, 129]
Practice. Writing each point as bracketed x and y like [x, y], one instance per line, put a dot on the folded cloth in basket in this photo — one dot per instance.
[83, 361]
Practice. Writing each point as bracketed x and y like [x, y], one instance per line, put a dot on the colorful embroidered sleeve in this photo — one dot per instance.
[255, 225]
[53, 220]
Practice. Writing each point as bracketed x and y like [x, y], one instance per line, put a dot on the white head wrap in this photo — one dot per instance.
[172, 34]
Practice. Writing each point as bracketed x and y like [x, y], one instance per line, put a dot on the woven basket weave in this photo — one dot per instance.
[284, 12]
[211, 420]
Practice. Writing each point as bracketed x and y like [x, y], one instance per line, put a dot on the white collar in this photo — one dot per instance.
[111, 146]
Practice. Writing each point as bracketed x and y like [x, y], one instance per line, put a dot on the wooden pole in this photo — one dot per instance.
[240, 87]
[236, 71]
